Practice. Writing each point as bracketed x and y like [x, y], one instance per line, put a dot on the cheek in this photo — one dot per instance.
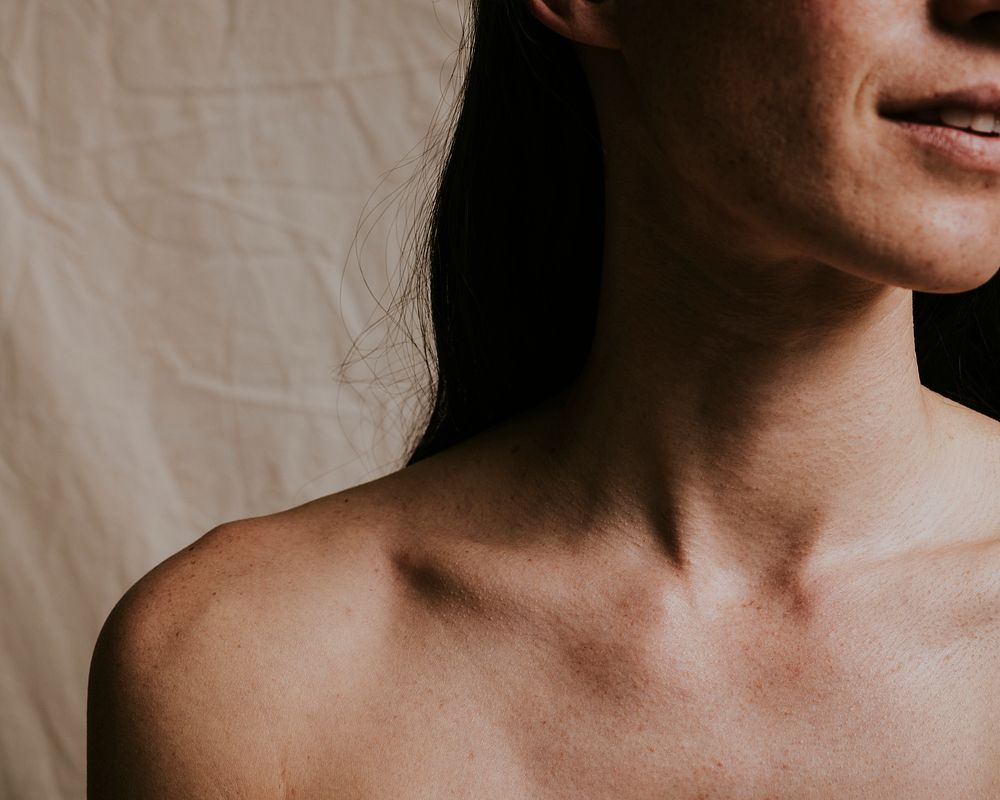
[733, 80]
[755, 112]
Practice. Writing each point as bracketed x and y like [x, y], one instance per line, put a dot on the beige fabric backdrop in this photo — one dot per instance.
[181, 182]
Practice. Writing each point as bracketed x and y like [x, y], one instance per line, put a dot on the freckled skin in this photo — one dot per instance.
[767, 112]
[746, 556]
[728, 562]
[752, 393]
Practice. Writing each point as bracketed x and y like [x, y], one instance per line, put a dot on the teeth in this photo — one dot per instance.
[978, 121]
[984, 122]
[956, 117]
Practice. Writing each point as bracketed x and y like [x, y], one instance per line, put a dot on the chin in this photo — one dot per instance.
[957, 286]
[928, 269]
[942, 277]
[933, 255]
[952, 249]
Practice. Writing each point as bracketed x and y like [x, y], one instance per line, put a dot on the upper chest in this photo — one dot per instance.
[892, 699]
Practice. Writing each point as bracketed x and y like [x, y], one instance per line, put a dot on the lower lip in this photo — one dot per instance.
[980, 153]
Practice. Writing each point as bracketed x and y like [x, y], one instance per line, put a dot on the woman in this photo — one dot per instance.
[684, 522]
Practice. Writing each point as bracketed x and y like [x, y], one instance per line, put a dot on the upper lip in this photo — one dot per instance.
[982, 97]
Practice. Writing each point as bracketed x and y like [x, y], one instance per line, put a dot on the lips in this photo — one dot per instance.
[966, 149]
[982, 98]
[971, 113]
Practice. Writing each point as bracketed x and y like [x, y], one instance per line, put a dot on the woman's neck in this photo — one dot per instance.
[760, 427]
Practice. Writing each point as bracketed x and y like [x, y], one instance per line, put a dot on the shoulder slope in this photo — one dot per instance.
[209, 667]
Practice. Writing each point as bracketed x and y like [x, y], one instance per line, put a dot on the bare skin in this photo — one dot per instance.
[447, 631]
[745, 555]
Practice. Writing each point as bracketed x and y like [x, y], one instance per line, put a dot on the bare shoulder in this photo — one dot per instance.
[212, 667]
